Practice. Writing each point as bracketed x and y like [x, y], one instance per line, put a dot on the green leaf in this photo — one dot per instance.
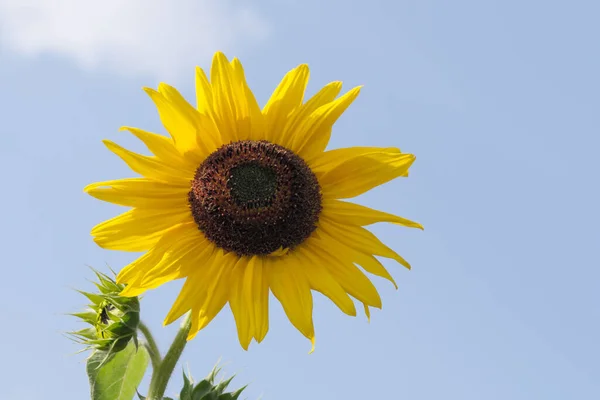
[119, 377]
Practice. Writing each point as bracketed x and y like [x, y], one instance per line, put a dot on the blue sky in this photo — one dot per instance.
[498, 100]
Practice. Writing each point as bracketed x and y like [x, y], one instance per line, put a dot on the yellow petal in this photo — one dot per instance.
[176, 263]
[137, 269]
[363, 172]
[360, 239]
[251, 123]
[323, 97]
[249, 300]
[323, 282]
[128, 242]
[238, 305]
[171, 240]
[150, 167]
[290, 286]
[204, 96]
[256, 287]
[300, 114]
[207, 134]
[288, 95]
[192, 291]
[350, 254]
[194, 135]
[218, 280]
[140, 192]
[132, 291]
[197, 287]
[161, 146]
[349, 213]
[332, 158]
[137, 229]
[312, 136]
[225, 95]
[372, 266]
[178, 253]
[179, 126]
[367, 312]
[348, 276]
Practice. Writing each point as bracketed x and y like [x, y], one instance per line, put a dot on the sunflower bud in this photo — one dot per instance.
[207, 389]
[113, 318]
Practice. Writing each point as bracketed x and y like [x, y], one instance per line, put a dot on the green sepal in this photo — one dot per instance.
[186, 391]
[238, 392]
[94, 298]
[209, 396]
[106, 284]
[220, 388]
[88, 316]
[202, 389]
[226, 396]
[213, 374]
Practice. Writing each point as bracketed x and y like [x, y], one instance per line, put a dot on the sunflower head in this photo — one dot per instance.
[113, 319]
[255, 197]
[244, 201]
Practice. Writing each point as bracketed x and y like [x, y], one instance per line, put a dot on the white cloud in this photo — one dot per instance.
[160, 38]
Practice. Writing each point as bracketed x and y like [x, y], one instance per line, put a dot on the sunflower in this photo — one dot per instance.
[241, 202]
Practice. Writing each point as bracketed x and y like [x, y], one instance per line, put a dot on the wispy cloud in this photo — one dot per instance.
[150, 37]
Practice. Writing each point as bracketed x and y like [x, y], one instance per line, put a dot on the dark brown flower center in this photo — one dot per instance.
[254, 197]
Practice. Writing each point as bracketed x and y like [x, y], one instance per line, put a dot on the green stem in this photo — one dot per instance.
[162, 374]
[150, 346]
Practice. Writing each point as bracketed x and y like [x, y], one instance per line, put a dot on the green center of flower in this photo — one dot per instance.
[255, 197]
[252, 185]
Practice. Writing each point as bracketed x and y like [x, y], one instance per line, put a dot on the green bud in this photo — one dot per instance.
[113, 319]
[208, 389]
